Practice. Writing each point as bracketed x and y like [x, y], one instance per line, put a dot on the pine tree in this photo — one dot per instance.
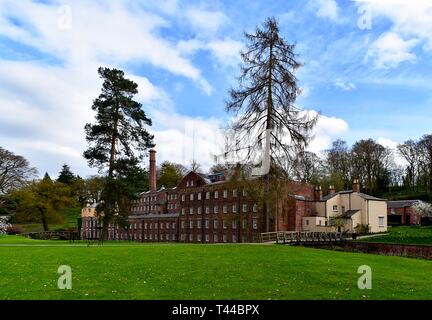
[117, 142]
[66, 176]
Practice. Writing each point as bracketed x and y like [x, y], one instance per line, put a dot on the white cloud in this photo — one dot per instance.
[327, 130]
[392, 145]
[390, 50]
[326, 9]
[107, 34]
[410, 18]
[346, 86]
[226, 51]
[205, 21]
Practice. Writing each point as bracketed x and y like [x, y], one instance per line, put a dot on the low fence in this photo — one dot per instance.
[401, 250]
[54, 235]
[294, 237]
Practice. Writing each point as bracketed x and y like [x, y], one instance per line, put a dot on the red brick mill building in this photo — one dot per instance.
[204, 209]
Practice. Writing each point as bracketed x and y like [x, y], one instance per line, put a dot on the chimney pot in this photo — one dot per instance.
[356, 185]
[331, 190]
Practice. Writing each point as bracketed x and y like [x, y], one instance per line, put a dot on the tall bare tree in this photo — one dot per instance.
[265, 97]
[15, 171]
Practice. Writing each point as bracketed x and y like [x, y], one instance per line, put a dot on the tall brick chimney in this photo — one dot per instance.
[331, 190]
[152, 170]
[318, 193]
[356, 185]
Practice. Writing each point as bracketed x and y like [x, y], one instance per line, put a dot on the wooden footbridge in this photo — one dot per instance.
[300, 238]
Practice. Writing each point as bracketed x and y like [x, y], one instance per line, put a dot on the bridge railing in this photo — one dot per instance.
[300, 237]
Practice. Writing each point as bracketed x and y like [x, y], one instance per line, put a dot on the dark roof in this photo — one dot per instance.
[363, 195]
[401, 203]
[349, 213]
[368, 197]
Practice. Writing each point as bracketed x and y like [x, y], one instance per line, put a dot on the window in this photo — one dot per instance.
[234, 208]
[215, 224]
[161, 225]
[151, 236]
[255, 207]
[234, 224]
[225, 194]
[187, 183]
[307, 222]
[183, 237]
[191, 237]
[191, 210]
[167, 225]
[224, 238]
[215, 238]
[145, 225]
[244, 193]
[183, 198]
[199, 210]
[234, 238]
[199, 237]
[182, 224]
[216, 209]
[182, 211]
[191, 197]
[173, 225]
[234, 193]
[207, 210]
[335, 207]
[207, 195]
[216, 194]
[191, 224]
[225, 209]
[393, 211]
[244, 224]
[255, 224]
[244, 208]
[381, 221]
[191, 183]
[199, 195]
[207, 224]
[151, 225]
[207, 238]
[224, 224]
[199, 224]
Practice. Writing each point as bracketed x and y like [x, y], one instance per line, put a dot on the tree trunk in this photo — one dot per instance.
[43, 219]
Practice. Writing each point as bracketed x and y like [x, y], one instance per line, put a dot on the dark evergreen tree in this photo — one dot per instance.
[117, 142]
[66, 176]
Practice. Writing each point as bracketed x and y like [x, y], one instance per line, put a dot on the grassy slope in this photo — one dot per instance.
[69, 222]
[405, 235]
[205, 272]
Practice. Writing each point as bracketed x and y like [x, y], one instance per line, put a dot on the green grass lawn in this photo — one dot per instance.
[405, 235]
[188, 271]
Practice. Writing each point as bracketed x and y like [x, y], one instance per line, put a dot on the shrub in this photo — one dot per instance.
[362, 229]
[14, 229]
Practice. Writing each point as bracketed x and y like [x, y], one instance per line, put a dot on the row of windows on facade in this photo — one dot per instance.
[216, 224]
[172, 237]
[154, 198]
[172, 225]
[245, 209]
[171, 206]
[215, 195]
[207, 237]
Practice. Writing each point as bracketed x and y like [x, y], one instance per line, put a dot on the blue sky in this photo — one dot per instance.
[367, 70]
